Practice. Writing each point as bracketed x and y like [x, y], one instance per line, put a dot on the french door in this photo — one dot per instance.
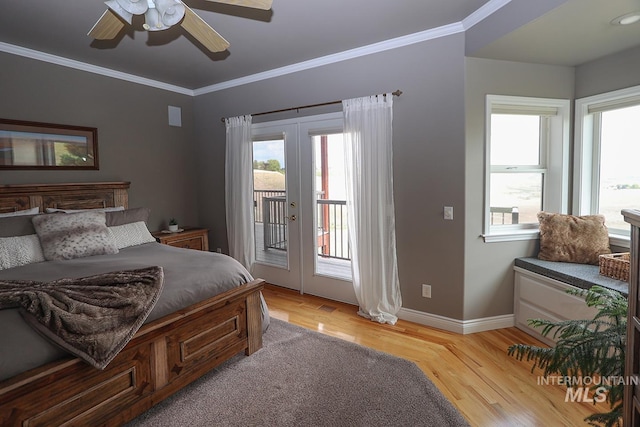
[299, 206]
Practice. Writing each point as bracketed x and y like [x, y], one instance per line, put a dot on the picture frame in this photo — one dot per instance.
[34, 145]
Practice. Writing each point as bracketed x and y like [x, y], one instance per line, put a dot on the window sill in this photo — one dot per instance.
[620, 240]
[511, 236]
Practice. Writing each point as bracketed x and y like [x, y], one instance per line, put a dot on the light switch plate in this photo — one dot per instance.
[448, 212]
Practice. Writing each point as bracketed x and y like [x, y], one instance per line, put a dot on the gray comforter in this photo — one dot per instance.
[189, 276]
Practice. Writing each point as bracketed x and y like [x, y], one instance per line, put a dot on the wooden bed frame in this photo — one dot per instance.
[164, 355]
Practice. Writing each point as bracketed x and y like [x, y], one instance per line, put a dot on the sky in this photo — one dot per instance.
[267, 150]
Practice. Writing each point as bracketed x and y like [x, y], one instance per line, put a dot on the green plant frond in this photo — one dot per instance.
[540, 355]
[612, 418]
[569, 328]
[608, 301]
[586, 347]
[549, 325]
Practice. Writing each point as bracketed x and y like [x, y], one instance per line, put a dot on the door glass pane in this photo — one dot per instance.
[516, 198]
[619, 173]
[270, 202]
[515, 139]
[331, 238]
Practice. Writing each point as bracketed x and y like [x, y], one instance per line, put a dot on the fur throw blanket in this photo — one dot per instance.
[91, 317]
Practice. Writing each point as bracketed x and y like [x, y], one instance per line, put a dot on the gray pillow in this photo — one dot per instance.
[12, 226]
[74, 235]
[127, 216]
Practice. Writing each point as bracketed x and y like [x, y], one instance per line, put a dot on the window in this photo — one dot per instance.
[607, 151]
[527, 164]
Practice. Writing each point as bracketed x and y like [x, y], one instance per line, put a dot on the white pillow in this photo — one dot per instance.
[31, 211]
[54, 210]
[132, 234]
[20, 250]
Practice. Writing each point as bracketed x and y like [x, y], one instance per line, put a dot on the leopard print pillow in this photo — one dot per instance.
[74, 235]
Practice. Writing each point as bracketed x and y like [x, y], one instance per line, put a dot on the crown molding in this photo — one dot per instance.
[483, 12]
[83, 66]
[446, 30]
[390, 44]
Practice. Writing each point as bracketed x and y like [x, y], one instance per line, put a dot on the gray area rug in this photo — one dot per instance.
[304, 378]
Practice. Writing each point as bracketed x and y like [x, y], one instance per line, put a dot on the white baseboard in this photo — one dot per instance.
[458, 326]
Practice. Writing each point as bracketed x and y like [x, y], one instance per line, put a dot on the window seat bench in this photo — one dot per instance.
[540, 291]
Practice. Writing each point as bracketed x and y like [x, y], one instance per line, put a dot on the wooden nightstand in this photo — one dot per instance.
[191, 238]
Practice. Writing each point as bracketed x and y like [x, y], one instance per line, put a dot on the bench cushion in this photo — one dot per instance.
[579, 275]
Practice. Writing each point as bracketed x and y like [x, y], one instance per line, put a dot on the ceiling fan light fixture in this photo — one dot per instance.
[163, 14]
[171, 11]
[135, 7]
[153, 21]
[118, 10]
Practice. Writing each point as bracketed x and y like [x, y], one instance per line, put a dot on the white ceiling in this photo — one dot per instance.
[295, 31]
[576, 32]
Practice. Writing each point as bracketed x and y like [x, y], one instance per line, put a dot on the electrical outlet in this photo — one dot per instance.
[426, 291]
[219, 250]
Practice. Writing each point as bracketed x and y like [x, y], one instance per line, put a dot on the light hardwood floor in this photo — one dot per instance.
[473, 371]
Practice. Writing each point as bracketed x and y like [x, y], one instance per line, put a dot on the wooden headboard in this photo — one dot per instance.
[93, 195]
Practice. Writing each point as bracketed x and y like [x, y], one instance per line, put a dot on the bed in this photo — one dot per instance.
[191, 329]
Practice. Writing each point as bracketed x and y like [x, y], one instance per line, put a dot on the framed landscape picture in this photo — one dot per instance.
[34, 145]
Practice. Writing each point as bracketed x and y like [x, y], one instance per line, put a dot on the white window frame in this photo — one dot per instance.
[587, 150]
[554, 165]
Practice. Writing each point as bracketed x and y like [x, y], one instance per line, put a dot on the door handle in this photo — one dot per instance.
[291, 218]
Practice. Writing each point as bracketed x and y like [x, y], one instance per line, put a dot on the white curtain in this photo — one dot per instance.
[239, 190]
[369, 176]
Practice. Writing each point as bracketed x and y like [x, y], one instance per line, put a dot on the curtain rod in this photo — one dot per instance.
[396, 93]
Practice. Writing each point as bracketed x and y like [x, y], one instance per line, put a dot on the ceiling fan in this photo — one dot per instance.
[163, 14]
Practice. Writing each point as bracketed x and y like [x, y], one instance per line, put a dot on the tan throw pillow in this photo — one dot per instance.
[569, 238]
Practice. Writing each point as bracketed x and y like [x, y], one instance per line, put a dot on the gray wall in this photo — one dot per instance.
[488, 266]
[428, 149]
[613, 72]
[438, 148]
[135, 142]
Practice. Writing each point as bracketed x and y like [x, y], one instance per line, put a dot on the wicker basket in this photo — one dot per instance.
[615, 266]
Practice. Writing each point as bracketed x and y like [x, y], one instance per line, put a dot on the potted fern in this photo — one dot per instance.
[592, 348]
[173, 225]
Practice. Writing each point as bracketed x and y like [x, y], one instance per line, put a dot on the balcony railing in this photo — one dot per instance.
[258, 195]
[332, 228]
[274, 212]
[510, 215]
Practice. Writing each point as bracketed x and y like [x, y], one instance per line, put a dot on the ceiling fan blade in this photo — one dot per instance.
[256, 4]
[202, 32]
[107, 27]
